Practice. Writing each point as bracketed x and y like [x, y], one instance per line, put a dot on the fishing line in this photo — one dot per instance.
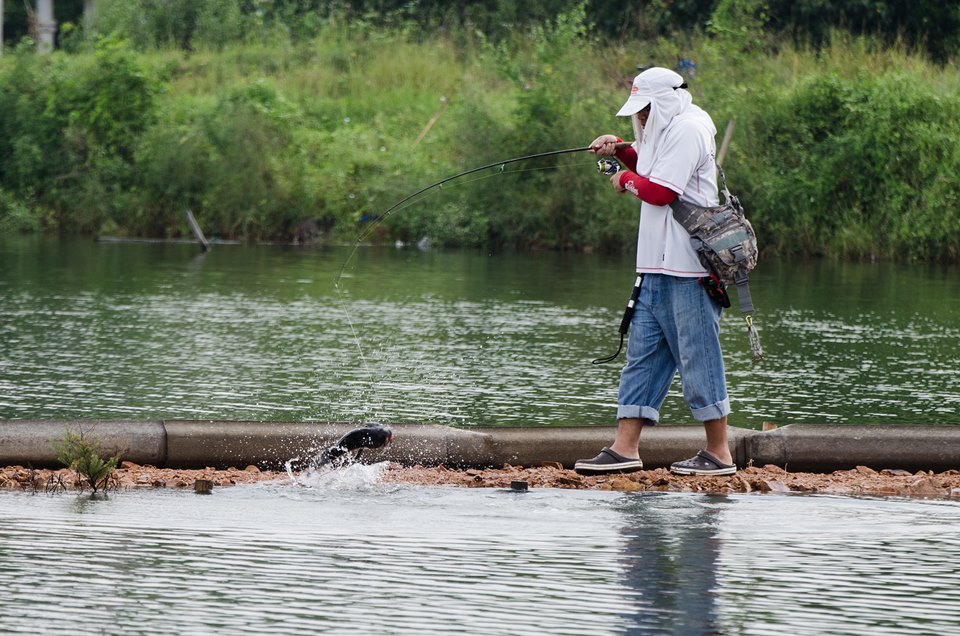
[410, 203]
[416, 197]
[439, 184]
[555, 166]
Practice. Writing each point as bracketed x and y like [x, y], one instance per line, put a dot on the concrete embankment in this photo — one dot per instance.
[222, 444]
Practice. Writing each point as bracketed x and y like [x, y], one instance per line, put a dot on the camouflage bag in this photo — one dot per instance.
[727, 246]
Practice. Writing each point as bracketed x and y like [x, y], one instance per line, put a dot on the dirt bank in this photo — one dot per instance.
[861, 481]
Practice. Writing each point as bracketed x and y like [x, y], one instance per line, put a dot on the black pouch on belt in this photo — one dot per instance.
[716, 290]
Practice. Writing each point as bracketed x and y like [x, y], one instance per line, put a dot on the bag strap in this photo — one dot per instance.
[723, 185]
[742, 281]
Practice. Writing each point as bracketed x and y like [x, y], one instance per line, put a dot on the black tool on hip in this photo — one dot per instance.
[627, 319]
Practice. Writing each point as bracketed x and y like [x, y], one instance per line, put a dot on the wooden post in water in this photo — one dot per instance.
[443, 106]
[519, 485]
[726, 142]
[204, 244]
[203, 487]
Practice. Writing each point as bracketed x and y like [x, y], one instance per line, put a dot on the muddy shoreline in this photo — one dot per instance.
[769, 479]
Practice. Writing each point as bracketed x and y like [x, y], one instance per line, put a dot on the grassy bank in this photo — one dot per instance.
[848, 151]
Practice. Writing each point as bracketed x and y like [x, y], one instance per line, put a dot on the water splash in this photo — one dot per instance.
[352, 477]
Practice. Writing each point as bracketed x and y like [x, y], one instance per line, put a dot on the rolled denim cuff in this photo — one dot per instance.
[634, 412]
[712, 412]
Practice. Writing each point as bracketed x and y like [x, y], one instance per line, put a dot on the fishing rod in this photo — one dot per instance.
[439, 184]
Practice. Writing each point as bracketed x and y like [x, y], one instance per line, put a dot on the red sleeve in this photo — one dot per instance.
[646, 190]
[627, 156]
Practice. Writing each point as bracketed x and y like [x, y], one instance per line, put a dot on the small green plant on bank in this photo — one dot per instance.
[83, 455]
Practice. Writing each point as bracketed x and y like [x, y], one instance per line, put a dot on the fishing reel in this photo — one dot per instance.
[609, 167]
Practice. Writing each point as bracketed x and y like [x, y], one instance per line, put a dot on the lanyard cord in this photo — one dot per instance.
[627, 319]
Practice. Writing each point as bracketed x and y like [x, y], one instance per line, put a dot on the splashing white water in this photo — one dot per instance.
[355, 476]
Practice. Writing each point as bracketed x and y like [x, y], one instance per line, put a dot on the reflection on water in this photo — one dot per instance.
[358, 558]
[789, 565]
[670, 555]
[463, 338]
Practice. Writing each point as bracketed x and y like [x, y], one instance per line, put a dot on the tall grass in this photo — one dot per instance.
[848, 150]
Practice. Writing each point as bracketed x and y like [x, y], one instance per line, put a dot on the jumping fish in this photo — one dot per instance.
[356, 440]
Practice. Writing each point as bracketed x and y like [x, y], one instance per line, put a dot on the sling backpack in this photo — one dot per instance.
[726, 244]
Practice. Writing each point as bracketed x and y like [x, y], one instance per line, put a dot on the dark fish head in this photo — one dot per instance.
[378, 436]
[366, 437]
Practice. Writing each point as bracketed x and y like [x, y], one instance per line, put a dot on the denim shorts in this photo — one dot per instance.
[675, 327]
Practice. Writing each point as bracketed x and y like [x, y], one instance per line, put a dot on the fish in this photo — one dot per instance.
[339, 454]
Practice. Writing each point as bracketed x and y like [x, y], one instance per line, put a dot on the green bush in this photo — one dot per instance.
[83, 455]
[71, 130]
[846, 149]
[858, 166]
[16, 215]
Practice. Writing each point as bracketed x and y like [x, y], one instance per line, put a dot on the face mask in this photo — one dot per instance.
[637, 128]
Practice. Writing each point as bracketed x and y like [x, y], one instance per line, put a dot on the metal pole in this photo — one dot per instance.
[1, 28]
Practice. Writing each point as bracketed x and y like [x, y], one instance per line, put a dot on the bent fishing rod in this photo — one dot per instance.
[439, 184]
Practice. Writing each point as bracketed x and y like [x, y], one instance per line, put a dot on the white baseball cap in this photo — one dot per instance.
[652, 83]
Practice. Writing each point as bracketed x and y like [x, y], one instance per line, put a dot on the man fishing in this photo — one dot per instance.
[675, 325]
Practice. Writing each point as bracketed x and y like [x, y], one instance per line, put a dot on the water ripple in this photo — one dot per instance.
[357, 557]
[448, 337]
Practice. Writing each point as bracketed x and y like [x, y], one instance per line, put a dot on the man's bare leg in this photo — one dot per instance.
[627, 442]
[717, 443]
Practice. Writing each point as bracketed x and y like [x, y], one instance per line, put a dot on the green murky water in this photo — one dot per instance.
[93, 330]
